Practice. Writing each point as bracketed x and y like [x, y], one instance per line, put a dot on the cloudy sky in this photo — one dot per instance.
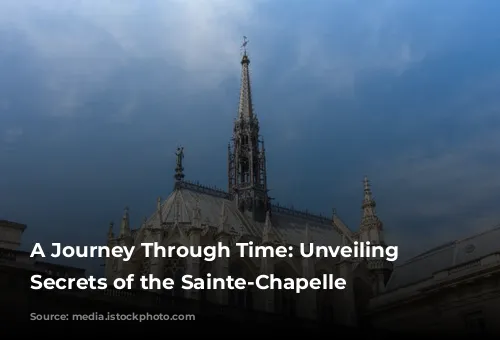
[95, 96]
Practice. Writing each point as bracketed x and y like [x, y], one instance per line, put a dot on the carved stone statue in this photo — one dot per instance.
[180, 156]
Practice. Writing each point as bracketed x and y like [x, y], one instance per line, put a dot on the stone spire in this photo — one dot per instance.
[247, 178]
[245, 108]
[371, 231]
[125, 225]
[368, 201]
[371, 225]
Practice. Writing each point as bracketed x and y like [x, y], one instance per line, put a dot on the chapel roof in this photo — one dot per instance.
[289, 224]
[445, 257]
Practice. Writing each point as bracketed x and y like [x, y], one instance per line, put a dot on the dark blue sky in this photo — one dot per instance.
[96, 95]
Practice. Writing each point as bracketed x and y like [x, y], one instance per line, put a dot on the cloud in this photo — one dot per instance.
[445, 193]
[157, 62]
[82, 45]
[347, 38]
[12, 135]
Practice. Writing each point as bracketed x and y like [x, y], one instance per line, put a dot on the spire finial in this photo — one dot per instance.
[179, 169]
[245, 60]
[244, 45]
[366, 183]
[368, 201]
[367, 189]
[125, 225]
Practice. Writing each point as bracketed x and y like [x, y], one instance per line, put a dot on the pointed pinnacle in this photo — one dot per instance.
[366, 183]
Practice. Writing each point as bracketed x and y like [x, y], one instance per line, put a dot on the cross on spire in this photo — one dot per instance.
[244, 45]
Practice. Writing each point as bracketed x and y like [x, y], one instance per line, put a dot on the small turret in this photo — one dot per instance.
[111, 235]
[223, 227]
[371, 228]
[269, 234]
[371, 231]
[125, 225]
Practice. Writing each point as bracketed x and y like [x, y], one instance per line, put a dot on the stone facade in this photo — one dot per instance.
[11, 257]
[195, 215]
[452, 288]
[11, 234]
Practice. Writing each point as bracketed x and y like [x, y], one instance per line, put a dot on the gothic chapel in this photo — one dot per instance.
[198, 215]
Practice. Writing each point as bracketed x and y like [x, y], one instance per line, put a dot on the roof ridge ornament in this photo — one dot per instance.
[224, 227]
[179, 169]
[269, 234]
